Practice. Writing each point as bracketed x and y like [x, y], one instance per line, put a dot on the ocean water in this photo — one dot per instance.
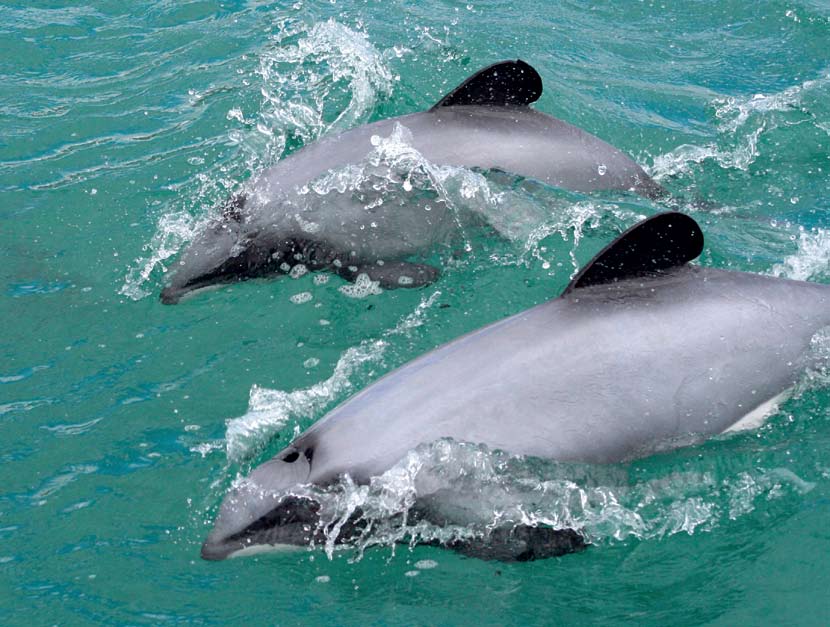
[124, 421]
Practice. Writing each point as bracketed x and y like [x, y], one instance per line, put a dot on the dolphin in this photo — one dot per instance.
[277, 221]
[642, 352]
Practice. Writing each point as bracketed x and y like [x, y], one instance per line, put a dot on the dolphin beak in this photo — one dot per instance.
[261, 509]
[171, 295]
[215, 256]
[215, 551]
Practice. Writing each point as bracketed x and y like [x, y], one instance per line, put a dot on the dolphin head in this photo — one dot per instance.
[267, 508]
[229, 248]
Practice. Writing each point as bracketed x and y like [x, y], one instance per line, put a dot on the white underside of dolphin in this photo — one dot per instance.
[279, 220]
[642, 353]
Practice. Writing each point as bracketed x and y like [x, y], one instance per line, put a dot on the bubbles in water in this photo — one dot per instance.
[301, 298]
[361, 288]
[425, 564]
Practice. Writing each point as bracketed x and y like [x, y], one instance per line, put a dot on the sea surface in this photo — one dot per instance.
[123, 421]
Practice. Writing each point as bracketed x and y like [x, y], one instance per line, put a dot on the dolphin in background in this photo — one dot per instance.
[276, 222]
[642, 352]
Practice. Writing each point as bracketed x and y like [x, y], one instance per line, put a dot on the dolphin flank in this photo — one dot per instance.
[642, 352]
[486, 122]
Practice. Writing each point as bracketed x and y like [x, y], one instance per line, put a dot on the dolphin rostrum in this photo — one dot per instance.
[642, 352]
[278, 220]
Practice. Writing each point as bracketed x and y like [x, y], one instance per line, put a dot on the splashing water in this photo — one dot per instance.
[329, 57]
[811, 260]
[469, 490]
[173, 232]
[740, 123]
[269, 410]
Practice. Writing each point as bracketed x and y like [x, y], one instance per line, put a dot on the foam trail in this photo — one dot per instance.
[740, 123]
[270, 410]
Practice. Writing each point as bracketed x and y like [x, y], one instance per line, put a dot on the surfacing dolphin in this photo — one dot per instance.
[642, 352]
[274, 223]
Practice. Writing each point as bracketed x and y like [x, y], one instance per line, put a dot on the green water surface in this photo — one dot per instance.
[123, 124]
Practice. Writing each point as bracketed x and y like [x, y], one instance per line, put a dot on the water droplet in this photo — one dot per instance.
[602, 169]
[425, 564]
[302, 297]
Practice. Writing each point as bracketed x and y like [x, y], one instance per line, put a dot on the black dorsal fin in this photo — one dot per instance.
[503, 83]
[661, 242]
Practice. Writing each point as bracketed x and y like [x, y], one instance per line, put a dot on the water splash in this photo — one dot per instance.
[472, 490]
[270, 410]
[395, 176]
[811, 260]
[301, 80]
[174, 230]
[740, 123]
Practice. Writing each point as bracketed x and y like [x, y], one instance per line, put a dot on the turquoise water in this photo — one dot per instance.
[124, 421]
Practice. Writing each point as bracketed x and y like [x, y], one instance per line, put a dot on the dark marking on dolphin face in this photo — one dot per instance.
[294, 521]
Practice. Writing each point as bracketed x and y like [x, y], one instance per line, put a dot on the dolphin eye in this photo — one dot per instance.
[291, 457]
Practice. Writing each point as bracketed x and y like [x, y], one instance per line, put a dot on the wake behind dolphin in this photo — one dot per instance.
[276, 222]
[641, 353]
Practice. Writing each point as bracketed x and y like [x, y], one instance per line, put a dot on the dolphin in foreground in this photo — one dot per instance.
[641, 353]
[278, 221]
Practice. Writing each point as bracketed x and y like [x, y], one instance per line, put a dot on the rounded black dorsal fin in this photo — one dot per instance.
[503, 83]
[660, 242]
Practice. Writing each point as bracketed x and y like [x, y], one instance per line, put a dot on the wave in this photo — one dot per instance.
[740, 123]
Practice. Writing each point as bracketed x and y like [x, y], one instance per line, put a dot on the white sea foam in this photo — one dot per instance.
[326, 59]
[270, 410]
[480, 489]
[811, 260]
[741, 122]
[362, 287]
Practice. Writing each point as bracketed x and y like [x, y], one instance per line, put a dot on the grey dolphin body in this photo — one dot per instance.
[623, 364]
[276, 222]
